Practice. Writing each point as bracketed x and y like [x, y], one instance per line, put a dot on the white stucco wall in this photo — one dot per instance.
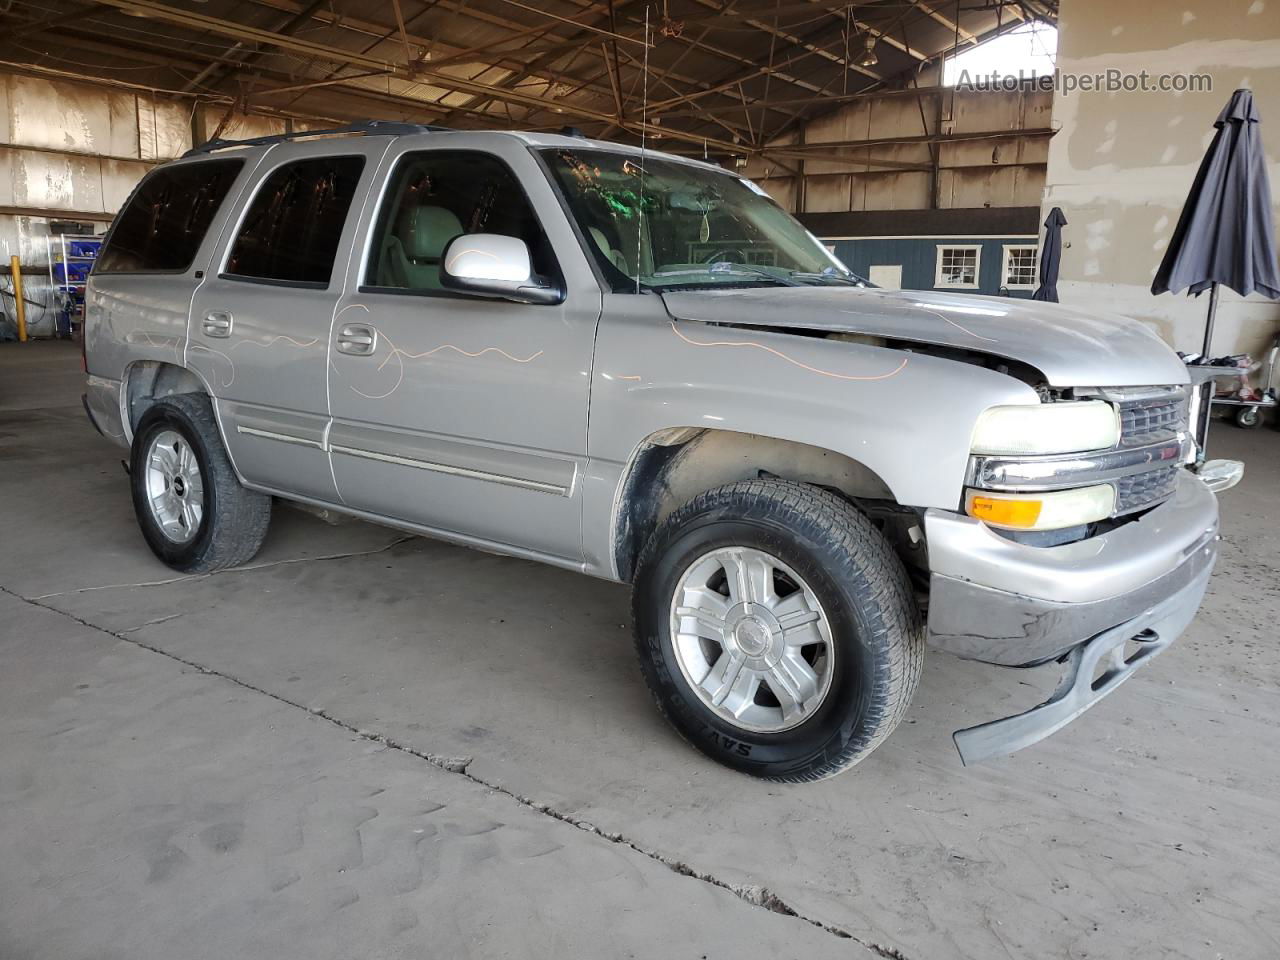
[1122, 163]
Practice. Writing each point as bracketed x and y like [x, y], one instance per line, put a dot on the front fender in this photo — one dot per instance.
[906, 416]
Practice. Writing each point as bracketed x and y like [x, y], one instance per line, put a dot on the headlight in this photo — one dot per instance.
[1071, 426]
[1042, 511]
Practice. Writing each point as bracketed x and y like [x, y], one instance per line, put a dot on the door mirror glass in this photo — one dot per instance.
[491, 265]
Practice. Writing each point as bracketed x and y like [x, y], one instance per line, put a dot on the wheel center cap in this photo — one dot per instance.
[752, 636]
[179, 486]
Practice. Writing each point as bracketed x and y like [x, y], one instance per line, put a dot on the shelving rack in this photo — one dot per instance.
[70, 257]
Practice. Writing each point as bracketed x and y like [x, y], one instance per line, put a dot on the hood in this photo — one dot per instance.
[1070, 347]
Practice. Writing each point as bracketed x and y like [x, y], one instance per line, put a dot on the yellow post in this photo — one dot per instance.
[17, 298]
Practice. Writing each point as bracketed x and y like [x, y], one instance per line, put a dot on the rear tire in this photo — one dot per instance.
[192, 510]
[843, 604]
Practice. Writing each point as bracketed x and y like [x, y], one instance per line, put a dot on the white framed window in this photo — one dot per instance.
[958, 266]
[1021, 266]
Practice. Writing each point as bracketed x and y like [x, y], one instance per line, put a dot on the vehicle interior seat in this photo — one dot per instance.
[411, 257]
[615, 257]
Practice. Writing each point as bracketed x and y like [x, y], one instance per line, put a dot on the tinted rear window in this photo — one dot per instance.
[160, 229]
[292, 229]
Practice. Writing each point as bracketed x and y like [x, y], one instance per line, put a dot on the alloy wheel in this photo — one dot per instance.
[752, 639]
[175, 488]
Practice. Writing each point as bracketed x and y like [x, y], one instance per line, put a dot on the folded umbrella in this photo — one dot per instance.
[1050, 256]
[1225, 234]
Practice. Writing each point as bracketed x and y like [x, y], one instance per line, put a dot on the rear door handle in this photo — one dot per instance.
[357, 340]
[217, 323]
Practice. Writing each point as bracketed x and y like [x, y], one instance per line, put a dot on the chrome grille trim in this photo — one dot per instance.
[1028, 474]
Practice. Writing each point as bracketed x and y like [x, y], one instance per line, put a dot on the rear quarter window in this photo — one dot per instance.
[161, 227]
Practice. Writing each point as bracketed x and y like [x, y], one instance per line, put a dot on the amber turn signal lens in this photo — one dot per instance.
[1004, 512]
[1050, 510]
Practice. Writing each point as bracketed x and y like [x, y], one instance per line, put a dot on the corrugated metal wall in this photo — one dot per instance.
[74, 151]
[1005, 170]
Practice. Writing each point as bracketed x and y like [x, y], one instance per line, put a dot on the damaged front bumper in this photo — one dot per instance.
[1104, 606]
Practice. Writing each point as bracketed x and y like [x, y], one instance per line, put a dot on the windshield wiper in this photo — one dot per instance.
[838, 277]
[734, 270]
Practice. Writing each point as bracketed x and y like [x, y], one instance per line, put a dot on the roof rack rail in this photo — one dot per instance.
[368, 128]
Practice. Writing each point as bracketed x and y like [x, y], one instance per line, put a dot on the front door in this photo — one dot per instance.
[260, 321]
[464, 415]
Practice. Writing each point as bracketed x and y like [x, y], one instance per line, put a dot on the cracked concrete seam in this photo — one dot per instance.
[756, 896]
[204, 576]
[148, 623]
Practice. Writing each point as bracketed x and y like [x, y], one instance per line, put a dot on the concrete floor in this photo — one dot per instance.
[369, 746]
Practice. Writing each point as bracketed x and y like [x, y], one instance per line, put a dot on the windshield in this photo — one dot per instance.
[672, 224]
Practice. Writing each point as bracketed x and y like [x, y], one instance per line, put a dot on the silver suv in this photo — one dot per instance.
[639, 367]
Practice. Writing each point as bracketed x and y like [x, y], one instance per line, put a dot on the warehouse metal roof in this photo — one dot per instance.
[693, 76]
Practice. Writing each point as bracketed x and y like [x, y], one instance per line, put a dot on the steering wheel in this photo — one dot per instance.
[724, 254]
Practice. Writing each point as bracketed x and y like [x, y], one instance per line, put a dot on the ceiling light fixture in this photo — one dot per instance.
[868, 58]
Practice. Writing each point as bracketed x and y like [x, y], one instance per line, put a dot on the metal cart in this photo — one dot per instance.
[1248, 413]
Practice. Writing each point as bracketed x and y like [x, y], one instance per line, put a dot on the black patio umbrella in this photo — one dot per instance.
[1225, 234]
[1050, 256]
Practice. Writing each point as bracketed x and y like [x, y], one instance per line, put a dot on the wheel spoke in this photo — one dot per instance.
[189, 516]
[170, 515]
[794, 683]
[160, 509]
[719, 682]
[743, 693]
[750, 577]
[186, 459]
[794, 612]
[707, 610]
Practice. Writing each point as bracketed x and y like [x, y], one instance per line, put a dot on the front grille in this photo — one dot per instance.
[1150, 417]
[1145, 489]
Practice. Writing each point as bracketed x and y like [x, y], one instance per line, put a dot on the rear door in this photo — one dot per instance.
[260, 321]
[461, 414]
[138, 298]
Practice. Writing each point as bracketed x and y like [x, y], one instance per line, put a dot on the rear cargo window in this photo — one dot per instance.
[293, 226]
[161, 228]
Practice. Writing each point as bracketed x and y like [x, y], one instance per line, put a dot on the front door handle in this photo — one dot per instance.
[357, 340]
[217, 323]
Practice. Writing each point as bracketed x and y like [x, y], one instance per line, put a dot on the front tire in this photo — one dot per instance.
[777, 629]
[191, 508]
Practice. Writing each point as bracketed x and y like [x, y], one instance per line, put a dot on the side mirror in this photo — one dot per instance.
[491, 265]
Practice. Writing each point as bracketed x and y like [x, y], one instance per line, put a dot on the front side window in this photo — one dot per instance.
[958, 267]
[656, 223]
[292, 229]
[161, 228]
[437, 195]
